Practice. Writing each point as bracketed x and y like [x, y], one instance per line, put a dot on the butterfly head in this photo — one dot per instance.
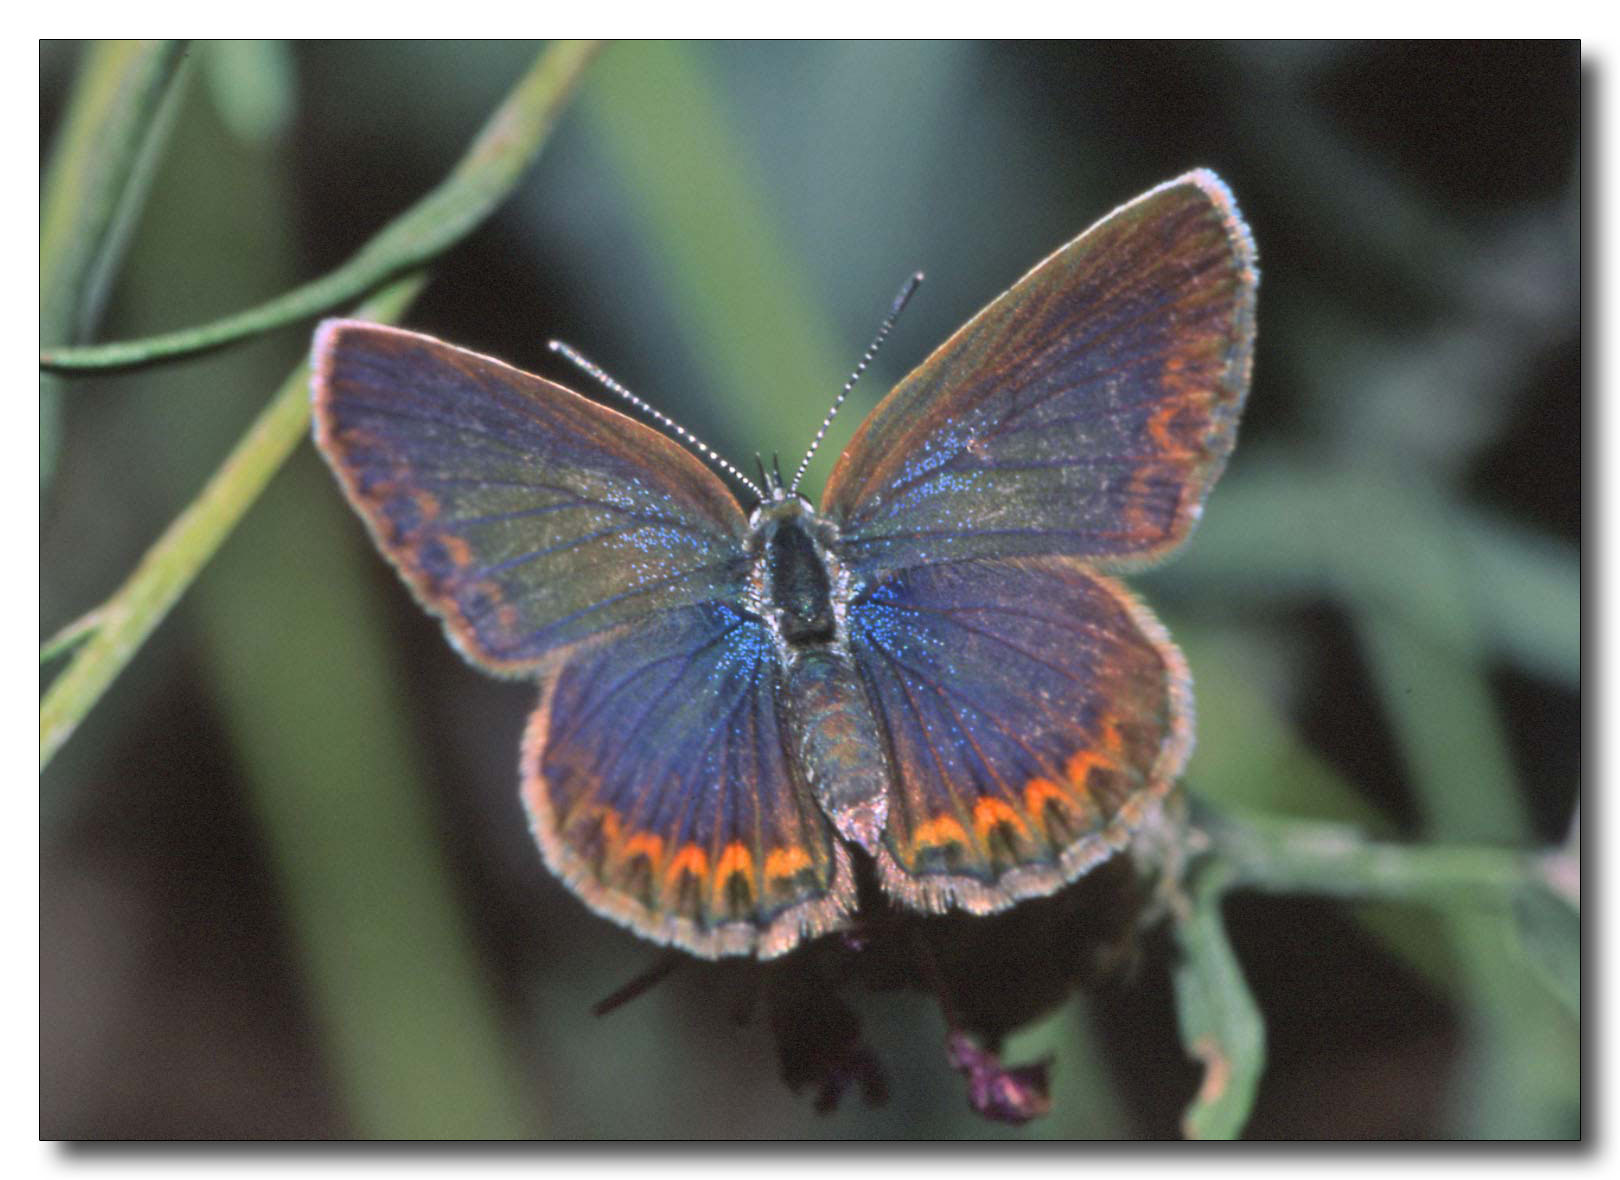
[779, 498]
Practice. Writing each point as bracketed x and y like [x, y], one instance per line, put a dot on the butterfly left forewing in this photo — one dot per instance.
[1032, 710]
[523, 515]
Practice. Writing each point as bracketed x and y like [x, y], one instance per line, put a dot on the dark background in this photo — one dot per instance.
[286, 886]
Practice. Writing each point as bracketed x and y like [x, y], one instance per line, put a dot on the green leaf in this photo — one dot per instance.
[109, 140]
[739, 295]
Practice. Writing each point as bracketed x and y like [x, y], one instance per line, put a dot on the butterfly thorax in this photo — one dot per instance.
[802, 589]
[798, 585]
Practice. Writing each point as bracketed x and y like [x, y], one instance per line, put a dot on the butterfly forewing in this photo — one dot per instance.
[524, 515]
[1085, 412]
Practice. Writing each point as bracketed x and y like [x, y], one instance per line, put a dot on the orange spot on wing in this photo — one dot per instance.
[460, 552]
[786, 862]
[605, 820]
[988, 812]
[734, 858]
[1140, 497]
[938, 832]
[1080, 765]
[1038, 792]
[689, 858]
[1159, 426]
[648, 844]
[1111, 739]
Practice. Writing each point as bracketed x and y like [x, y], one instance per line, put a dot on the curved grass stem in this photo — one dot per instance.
[486, 174]
[121, 624]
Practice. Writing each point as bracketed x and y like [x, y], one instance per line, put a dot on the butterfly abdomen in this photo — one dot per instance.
[832, 732]
[835, 743]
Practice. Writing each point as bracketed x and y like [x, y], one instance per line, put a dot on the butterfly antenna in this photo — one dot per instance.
[664, 420]
[900, 302]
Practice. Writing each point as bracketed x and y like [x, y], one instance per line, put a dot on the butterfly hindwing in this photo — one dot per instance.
[1031, 709]
[1085, 412]
[659, 788]
[524, 515]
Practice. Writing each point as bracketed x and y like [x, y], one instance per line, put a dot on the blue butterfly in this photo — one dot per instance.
[934, 674]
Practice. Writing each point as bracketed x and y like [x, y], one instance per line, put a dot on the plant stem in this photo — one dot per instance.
[1281, 856]
[1220, 1023]
[125, 620]
[70, 636]
[483, 178]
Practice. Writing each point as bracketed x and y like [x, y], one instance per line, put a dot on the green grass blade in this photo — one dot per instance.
[110, 135]
[253, 86]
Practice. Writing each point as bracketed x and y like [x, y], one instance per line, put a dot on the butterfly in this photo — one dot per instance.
[934, 676]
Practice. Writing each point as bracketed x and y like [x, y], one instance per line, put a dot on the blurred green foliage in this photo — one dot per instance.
[1381, 609]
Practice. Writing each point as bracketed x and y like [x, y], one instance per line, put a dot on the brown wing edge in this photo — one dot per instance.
[1232, 388]
[807, 920]
[462, 637]
[939, 894]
